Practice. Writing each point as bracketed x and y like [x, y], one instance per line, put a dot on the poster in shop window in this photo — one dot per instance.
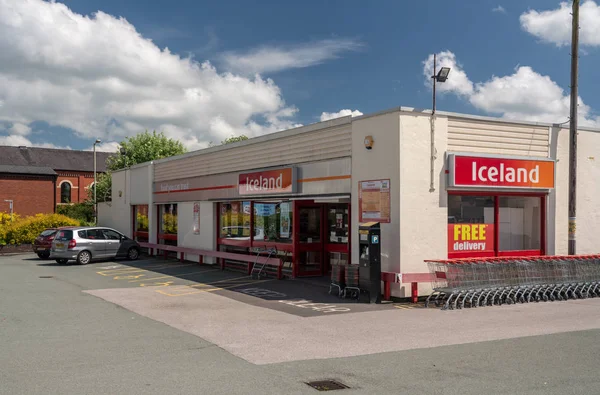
[472, 239]
[196, 218]
[374, 200]
[284, 231]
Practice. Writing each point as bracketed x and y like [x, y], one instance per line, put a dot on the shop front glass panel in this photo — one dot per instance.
[309, 262]
[519, 223]
[338, 224]
[168, 222]
[471, 228]
[273, 222]
[338, 258]
[234, 221]
[141, 222]
[310, 225]
[463, 209]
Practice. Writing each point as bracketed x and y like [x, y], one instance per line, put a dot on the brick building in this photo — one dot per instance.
[39, 179]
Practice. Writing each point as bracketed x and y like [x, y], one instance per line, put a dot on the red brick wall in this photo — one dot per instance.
[30, 195]
[79, 184]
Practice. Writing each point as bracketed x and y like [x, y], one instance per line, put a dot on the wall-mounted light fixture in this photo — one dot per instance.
[369, 142]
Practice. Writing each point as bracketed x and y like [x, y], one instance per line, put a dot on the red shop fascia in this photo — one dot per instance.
[501, 180]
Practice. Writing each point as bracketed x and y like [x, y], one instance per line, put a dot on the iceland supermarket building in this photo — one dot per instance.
[453, 186]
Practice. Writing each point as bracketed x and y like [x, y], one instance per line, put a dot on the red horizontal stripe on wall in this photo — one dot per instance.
[198, 189]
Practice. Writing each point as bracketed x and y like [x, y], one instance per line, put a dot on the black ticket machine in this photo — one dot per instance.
[369, 242]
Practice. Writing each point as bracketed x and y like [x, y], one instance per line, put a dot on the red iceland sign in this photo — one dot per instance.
[480, 171]
[267, 182]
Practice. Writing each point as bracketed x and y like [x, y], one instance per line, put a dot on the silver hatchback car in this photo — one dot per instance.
[83, 244]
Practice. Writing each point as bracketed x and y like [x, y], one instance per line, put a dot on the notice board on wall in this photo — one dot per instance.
[374, 200]
[196, 218]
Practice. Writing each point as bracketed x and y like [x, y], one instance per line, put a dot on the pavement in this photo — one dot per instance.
[166, 327]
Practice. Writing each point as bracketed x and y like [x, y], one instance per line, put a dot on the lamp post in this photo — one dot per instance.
[10, 205]
[98, 141]
[441, 76]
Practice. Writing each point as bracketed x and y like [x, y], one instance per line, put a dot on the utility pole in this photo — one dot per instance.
[573, 131]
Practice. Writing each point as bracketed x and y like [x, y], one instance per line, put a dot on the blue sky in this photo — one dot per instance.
[72, 74]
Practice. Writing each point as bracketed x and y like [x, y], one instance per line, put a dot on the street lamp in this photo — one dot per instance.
[98, 141]
[10, 205]
[441, 76]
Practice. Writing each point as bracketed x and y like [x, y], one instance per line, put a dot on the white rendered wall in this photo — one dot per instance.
[381, 162]
[423, 214]
[117, 213]
[185, 229]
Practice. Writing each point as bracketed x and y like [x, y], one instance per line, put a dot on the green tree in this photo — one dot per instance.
[234, 139]
[141, 148]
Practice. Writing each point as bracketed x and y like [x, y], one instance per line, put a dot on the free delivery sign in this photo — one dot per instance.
[480, 171]
[471, 238]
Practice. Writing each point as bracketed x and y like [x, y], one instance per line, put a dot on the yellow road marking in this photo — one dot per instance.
[136, 270]
[179, 275]
[170, 292]
[157, 284]
[404, 306]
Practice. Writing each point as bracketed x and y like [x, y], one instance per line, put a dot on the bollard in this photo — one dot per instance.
[415, 292]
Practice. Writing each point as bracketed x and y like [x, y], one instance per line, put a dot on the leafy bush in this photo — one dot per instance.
[83, 212]
[5, 218]
[142, 222]
[169, 224]
[25, 230]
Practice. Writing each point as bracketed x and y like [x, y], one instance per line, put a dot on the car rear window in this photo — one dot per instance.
[64, 235]
[48, 232]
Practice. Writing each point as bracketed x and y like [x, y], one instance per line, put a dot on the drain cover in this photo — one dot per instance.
[46, 276]
[327, 385]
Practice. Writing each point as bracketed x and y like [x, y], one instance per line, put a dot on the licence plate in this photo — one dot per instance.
[60, 245]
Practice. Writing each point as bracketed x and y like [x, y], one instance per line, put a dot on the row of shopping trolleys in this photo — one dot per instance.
[476, 282]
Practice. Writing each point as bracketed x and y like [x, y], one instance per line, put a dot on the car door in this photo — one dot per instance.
[95, 241]
[113, 242]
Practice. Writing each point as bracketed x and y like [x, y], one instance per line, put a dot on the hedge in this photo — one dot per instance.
[83, 212]
[25, 230]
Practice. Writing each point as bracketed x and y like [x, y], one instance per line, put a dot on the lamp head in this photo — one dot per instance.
[442, 75]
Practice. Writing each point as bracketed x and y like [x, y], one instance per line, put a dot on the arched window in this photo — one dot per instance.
[65, 192]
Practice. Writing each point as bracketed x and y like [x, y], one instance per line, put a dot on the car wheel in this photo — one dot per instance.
[84, 257]
[133, 254]
[45, 255]
[62, 261]
[41, 255]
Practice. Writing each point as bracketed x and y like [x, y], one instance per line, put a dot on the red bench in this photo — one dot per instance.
[221, 256]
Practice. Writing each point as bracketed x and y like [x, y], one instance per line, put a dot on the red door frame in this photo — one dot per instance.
[312, 247]
[496, 195]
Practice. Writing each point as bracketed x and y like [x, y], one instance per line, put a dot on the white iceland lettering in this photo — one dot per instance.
[264, 183]
[505, 174]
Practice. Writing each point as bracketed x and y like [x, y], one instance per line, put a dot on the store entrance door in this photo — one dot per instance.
[309, 239]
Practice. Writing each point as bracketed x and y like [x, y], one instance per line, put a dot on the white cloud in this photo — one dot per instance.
[18, 140]
[457, 81]
[326, 116]
[110, 146]
[499, 9]
[524, 95]
[272, 58]
[554, 26]
[20, 129]
[101, 78]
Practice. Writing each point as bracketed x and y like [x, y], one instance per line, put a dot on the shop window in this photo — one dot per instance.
[235, 220]
[338, 224]
[168, 219]
[470, 209]
[273, 222]
[141, 218]
[65, 192]
[519, 223]
[310, 225]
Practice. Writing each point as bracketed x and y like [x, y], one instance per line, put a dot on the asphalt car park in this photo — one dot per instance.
[174, 279]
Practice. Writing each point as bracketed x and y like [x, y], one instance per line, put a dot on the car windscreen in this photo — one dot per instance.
[48, 232]
[64, 235]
